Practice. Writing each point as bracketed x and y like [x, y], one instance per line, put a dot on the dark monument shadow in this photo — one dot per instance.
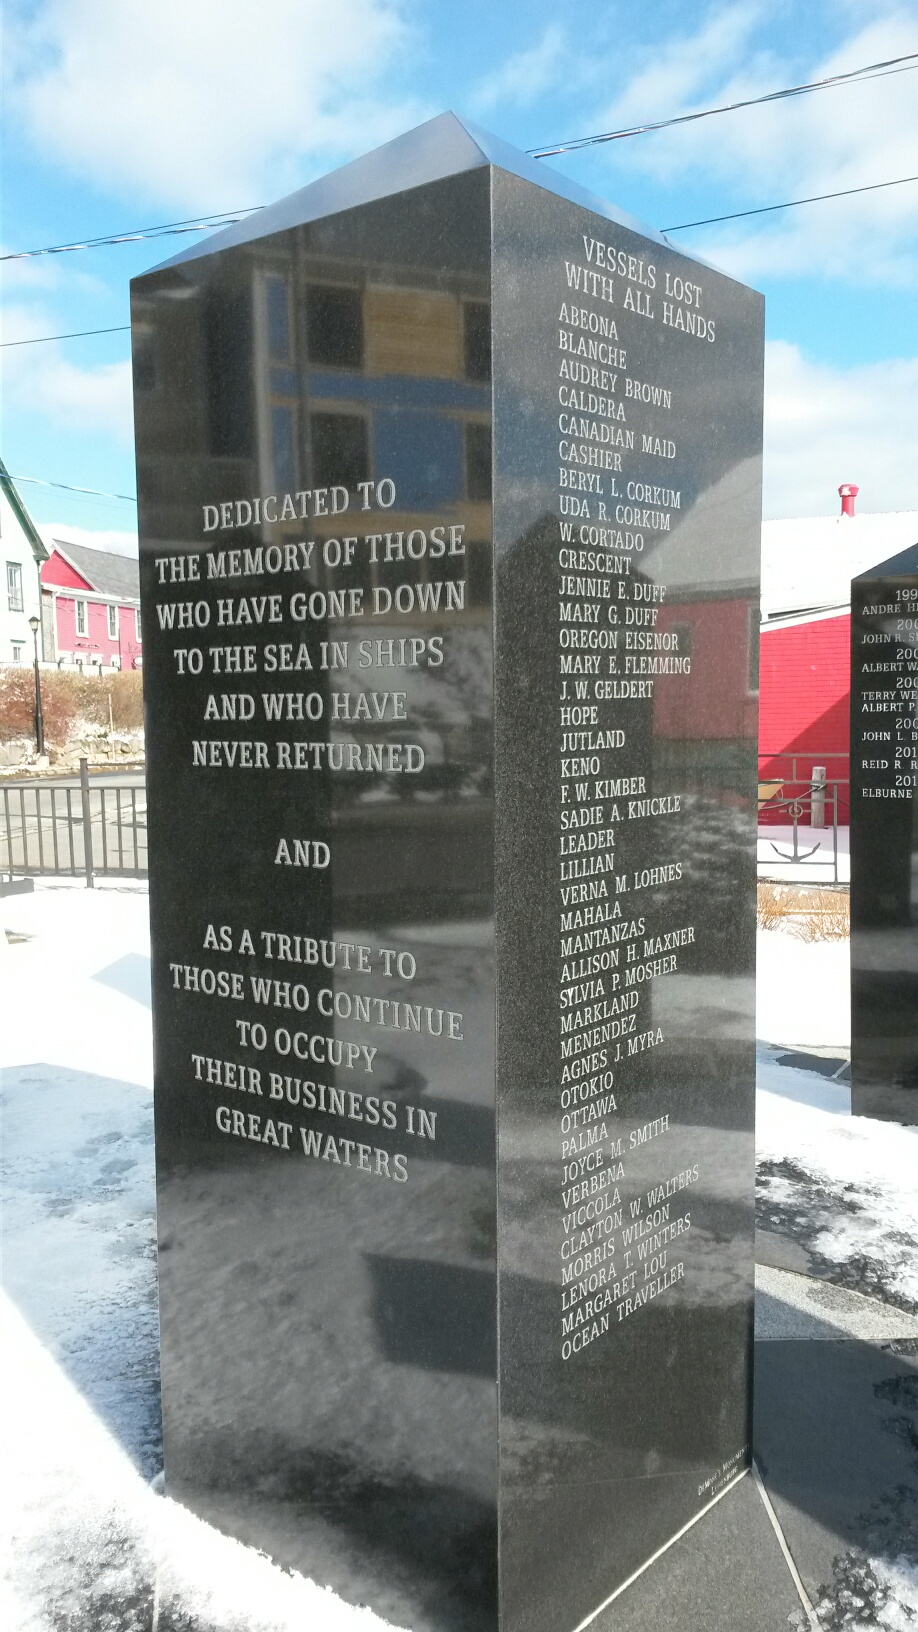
[836, 1439]
[107, 1347]
[435, 1536]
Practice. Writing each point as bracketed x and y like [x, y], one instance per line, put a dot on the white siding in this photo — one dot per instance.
[14, 625]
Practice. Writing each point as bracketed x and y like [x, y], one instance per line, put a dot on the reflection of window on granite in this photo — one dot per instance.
[684, 632]
[477, 339]
[340, 450]
[282, 449]
[752, 673]
[478, 574]
[478, 461]
[143, 361]
[334, 325]
[277, 315]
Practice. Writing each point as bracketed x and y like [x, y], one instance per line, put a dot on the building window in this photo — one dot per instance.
[113, 623]
[277, 312]
[477, 339]
[17, 652]
[340, 450]
[80, 617]
[478, 461]
[137, 624]
[752, 679]
[14, 586]
[334, 325]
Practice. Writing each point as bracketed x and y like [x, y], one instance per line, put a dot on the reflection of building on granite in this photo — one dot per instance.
[397, 384]
[704, 720]
[371, 381]
[279, 368]
[347, 383]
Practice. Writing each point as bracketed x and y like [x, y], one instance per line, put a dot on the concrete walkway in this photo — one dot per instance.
[800, 1544]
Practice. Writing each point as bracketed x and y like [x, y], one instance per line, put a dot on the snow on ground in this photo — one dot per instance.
[776, 844]
[842, 1186]
[875, 1593]
[802, 992]
[88, 1546]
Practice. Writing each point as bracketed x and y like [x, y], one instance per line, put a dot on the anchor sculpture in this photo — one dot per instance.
[795, 811]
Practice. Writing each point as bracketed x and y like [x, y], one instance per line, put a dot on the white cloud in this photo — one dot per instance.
[116, 541]
[679, 72]
[850, 136]
[39, 379]
[827, 425]
[527, 74]
[46, 272]
[210, 106]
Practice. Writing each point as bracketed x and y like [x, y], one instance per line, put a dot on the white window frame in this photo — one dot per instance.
[137, 625]
[14, 595]
[112, 622]
[82, 618]
[18, 649]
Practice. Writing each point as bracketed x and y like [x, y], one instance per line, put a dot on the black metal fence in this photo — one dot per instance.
[812, 802]
[82, 831]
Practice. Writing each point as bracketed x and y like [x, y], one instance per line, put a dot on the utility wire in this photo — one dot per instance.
[871, 70]
[168, 229]
[96, 492]
[75, 334]
[792, 204]
[681, 226]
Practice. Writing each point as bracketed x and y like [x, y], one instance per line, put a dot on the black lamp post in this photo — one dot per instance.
[34, 625]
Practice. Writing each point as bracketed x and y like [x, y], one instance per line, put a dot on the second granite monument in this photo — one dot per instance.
[449, 482]
[884, 840]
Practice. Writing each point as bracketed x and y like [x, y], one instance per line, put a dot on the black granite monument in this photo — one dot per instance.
[884, 840]
[449, 488]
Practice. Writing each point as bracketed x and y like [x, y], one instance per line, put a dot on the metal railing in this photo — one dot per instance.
[810, 796]
[77, 831]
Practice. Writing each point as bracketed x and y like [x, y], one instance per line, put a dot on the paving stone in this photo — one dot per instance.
[726, 1574]
[836, 1436]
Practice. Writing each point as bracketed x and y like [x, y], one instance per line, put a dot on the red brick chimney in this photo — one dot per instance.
[848, 492]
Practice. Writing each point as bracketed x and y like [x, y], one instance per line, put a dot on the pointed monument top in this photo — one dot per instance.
[444, 146]
[903, 565]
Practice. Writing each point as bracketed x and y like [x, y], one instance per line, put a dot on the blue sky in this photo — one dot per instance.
[126, 113]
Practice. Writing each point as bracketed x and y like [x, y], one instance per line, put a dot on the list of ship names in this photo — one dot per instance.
[886, 636]
[625, 1200]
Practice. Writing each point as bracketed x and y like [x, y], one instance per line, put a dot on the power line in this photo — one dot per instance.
[75, 334]
[682, 226]
[792, 204]
[872, 70]
[197, 223]
[95, 492]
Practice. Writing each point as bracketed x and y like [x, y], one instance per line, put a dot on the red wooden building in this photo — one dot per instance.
[91, 607]
[805, 642]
